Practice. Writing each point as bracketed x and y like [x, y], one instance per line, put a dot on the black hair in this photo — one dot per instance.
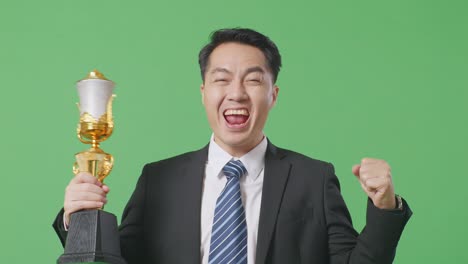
[244, 36]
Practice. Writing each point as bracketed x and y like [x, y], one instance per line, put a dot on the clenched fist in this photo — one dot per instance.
[83, 192]
[376, 180]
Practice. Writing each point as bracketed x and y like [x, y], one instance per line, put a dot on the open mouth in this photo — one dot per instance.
[236, 117]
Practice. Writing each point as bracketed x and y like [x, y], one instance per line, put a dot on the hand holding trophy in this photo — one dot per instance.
[92, 233]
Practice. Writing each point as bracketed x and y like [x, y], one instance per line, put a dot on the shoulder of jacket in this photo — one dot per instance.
[175, 160]
[294, 156]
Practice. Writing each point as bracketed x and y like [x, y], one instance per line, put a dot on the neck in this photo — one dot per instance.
[240, 150]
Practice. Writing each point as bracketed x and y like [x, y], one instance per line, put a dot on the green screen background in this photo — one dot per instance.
[384, 79]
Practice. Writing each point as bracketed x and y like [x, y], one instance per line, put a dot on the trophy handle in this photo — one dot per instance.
[108, 164]
[76, 168]
[109, 108]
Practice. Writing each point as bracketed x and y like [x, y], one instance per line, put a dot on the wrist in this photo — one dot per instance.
[399, 202]
[65, 222]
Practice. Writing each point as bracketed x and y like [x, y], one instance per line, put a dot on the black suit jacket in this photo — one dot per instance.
[303, 218]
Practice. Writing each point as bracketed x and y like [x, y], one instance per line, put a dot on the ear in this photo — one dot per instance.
[274, 96]
[202, 91]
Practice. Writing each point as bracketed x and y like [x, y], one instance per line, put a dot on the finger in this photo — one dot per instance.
[368, 160]
[377, 184]
[85, 177]
[77, 198]
[86, 196]
[85, 187]
[367, 172]
[368, 191]
[374, 163]
[105, 188]
[81, 205]
[356, 169]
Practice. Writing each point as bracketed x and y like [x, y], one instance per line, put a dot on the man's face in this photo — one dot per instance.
[238, 92]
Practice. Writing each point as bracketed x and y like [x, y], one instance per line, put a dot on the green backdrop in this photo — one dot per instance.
[361, 78]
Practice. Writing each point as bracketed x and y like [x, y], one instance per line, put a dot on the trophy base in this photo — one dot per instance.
[92, 237]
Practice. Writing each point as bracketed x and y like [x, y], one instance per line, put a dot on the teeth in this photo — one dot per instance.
[243, 112]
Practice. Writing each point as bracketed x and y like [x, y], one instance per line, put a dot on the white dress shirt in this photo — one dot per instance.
[251, 190]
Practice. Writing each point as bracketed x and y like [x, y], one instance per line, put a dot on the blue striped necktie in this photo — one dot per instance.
[229, 231]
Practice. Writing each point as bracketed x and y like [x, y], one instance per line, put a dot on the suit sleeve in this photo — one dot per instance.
[132, 239]
[59, 227]
[378, 240]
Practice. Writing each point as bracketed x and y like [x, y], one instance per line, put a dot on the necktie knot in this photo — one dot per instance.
[234, 168]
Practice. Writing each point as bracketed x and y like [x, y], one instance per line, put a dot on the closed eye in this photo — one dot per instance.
[221, 82]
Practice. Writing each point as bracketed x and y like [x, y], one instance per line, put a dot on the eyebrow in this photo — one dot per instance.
[255, 69]
[249, 70]
[218, 69]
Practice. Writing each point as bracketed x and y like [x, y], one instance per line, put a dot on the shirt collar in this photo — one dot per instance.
[254, 160]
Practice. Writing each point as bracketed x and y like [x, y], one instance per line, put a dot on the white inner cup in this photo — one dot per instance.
[94, 95]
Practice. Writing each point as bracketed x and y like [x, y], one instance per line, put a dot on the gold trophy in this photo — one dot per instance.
[96, 124]
[93, 235]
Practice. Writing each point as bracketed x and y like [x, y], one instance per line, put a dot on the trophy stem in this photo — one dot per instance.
[95, 161]
[93, 167]
[95, 144]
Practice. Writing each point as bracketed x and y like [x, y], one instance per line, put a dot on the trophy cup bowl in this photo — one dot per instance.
[93, 235]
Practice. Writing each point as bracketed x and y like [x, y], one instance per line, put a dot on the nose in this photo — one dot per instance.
[237, 92]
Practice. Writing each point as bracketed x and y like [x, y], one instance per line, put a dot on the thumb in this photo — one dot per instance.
[356, 169]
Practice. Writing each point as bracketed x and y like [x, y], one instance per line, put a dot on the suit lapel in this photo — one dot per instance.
[191, 190]
[275, 178]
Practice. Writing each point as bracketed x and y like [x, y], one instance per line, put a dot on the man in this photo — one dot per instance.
[241, 199]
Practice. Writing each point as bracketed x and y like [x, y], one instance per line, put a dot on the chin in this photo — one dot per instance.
[235, 141]
[241, 139]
